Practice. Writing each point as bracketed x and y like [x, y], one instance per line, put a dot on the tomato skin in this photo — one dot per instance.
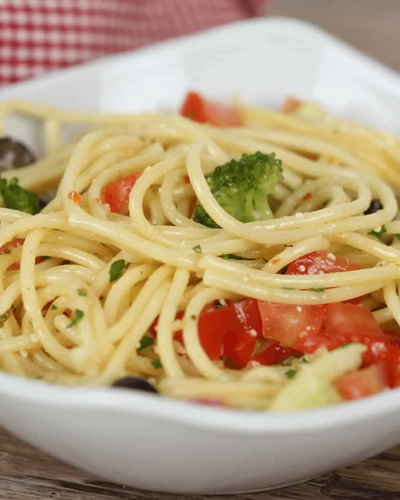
[228, 330]
[363, 383]
[285, 322]
[238, 320]
[9, 246]
[320, 262]
[350, 318]
[274, 354]
[239, 345]
[393, 337]
[117, 193]
[203, 110]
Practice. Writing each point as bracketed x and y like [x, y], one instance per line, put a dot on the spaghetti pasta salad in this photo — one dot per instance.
[234, 256]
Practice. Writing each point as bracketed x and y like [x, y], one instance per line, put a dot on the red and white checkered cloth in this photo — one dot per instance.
[42, 35]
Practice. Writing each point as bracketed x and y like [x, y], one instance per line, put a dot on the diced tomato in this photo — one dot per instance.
[393, 337]
[239, 346]
[9, 246]
[223, 322]
[379, 348]
[320, 262]
[290, 105]
[285, 323]
[117, 193]
[240, 320]
[363, 383]
[202, 110]
[274, 354]
[350, 318]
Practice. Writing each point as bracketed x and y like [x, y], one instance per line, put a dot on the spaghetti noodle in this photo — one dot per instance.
[90, 296]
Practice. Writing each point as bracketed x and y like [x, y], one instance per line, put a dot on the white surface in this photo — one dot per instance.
[149, 442]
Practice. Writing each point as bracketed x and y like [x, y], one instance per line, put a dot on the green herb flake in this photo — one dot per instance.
[397, 236]
[380, 233]
[116, 269]
[288, 288]
[82, 292]
[78, 315]
[53, 307]
[156, 363]
[287, 186]
[304, 359]
[317, 289]
[197, 249]
[145, 342]
[231, 256]
[264, 259]
[4, 317]
[46, 257]
[290, 374]
[18, 198]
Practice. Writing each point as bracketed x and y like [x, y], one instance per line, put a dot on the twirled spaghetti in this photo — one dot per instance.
[85, 286]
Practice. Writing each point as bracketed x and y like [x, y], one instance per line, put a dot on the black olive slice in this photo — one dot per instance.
[14, 154]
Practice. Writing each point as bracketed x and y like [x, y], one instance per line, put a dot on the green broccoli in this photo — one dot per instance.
[18, 198]
[242, 187]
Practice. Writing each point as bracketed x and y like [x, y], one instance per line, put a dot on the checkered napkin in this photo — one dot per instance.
[43, 35]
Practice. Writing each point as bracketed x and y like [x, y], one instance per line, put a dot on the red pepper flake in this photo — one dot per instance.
[75, 197]
[187, 180]
[275, 261]
[307, 196]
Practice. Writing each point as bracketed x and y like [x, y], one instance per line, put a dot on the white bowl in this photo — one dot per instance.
[154, 443]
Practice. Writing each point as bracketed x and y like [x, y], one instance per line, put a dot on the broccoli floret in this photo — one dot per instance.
[242, 187]
[18, 198]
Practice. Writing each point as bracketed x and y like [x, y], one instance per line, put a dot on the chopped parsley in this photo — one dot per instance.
[288, 187]
[317, 289]
[82, 292]
[290, 374]
[53, 307]
[304, 359]
[380, 233]
[116, 269]
[197, 249]
[397, 236]
[231, 256]
[4, 317]
[156, 363]
[145, 342]
[78, 315]
[46, 257]
[18, 198]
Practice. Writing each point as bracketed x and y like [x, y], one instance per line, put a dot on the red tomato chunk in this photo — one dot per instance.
[285, 323]
[117, 193]
[274, 354]
[363, 383]
[320, 262]
[203, 110]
